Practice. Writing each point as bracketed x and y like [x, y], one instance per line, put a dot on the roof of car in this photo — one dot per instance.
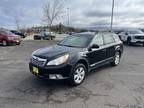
[93, 33]
[88, 33]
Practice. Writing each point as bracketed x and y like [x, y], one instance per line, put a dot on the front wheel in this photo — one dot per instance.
[78, 75]
[116, 59]
[4, 43]
[129, 41]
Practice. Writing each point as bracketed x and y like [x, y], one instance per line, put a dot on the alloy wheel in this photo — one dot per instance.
[79, 75]
[117, 58]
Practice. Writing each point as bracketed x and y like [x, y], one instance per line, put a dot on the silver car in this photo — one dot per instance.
[132, 37]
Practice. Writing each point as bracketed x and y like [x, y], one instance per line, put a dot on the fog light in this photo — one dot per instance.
[59, 76]
[52, 76]
[55, 76]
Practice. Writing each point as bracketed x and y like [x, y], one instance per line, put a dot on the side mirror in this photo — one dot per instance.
[94, 46]
[126, 33]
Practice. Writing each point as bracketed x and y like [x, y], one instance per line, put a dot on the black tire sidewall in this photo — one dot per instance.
[71, 80]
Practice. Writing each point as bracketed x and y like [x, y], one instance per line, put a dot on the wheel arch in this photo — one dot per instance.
[84, 62]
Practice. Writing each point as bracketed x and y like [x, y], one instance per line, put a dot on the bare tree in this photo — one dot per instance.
[17, 21]
[52, 9]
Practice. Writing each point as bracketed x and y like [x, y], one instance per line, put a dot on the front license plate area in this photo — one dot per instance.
[35, 70]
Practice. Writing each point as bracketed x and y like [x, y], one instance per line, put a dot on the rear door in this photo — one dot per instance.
[109, 45]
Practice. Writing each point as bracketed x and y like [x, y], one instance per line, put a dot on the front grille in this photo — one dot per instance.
[139, 37]
[38, 61]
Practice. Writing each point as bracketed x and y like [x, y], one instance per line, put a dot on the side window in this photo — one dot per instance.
[108, 38]
[98, 39]
[116, 37]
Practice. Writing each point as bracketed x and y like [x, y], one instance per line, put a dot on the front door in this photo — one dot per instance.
[97, 55]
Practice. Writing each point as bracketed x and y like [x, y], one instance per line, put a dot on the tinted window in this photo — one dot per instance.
[77, 41]
[98, 39]
[6, 32]
[116, 37]
[108, 38]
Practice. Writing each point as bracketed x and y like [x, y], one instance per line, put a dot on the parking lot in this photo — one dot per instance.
[105, 87]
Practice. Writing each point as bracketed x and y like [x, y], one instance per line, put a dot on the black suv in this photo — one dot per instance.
[76, 55]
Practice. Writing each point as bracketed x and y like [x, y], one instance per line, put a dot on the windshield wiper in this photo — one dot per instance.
[68, 45]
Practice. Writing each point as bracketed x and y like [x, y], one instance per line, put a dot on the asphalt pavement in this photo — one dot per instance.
[106, 87]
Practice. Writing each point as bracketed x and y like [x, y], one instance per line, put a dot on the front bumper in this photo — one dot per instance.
[14, 41]
[140, 41]
[46, 72]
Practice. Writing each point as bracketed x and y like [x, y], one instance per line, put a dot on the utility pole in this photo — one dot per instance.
[68, 20]
[112, 15]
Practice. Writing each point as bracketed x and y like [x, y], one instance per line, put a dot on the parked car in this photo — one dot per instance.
[22, 35]
[132, 37]
[76, 55]
[71, 33]
[44, 36]
[117, 31]
[6, 38]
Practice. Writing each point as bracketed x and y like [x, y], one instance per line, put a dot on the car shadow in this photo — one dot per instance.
[133, 45]
[8, 45]
[35, 90]
[99, 69]
[65, 83]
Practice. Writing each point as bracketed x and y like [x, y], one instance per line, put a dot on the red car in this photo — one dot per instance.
[6, 38]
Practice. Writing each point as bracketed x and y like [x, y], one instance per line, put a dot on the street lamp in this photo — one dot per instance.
[112, 15]
[68, 22]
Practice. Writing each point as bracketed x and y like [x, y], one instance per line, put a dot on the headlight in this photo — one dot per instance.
[59, 60]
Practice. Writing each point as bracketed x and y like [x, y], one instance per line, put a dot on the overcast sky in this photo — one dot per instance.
[83, 13]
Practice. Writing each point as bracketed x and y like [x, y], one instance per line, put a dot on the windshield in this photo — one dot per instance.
[7, 32]
[80, 41]
[136, 32]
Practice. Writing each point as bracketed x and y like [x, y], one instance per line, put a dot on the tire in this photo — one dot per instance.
[116, 59]
[143, 44]
[34, 38]
[128, 41]
[4, 43]
[78, 75]
[18, 43]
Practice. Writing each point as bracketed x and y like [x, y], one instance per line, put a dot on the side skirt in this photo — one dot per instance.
[101, 63]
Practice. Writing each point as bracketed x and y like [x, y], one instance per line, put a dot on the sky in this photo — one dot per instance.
[83, 13]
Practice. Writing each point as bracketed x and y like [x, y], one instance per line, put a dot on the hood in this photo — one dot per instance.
[13, 35]
[55, 51]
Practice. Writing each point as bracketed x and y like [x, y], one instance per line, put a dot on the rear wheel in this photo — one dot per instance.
[4, 43]
[78, 75]
[116, 59]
